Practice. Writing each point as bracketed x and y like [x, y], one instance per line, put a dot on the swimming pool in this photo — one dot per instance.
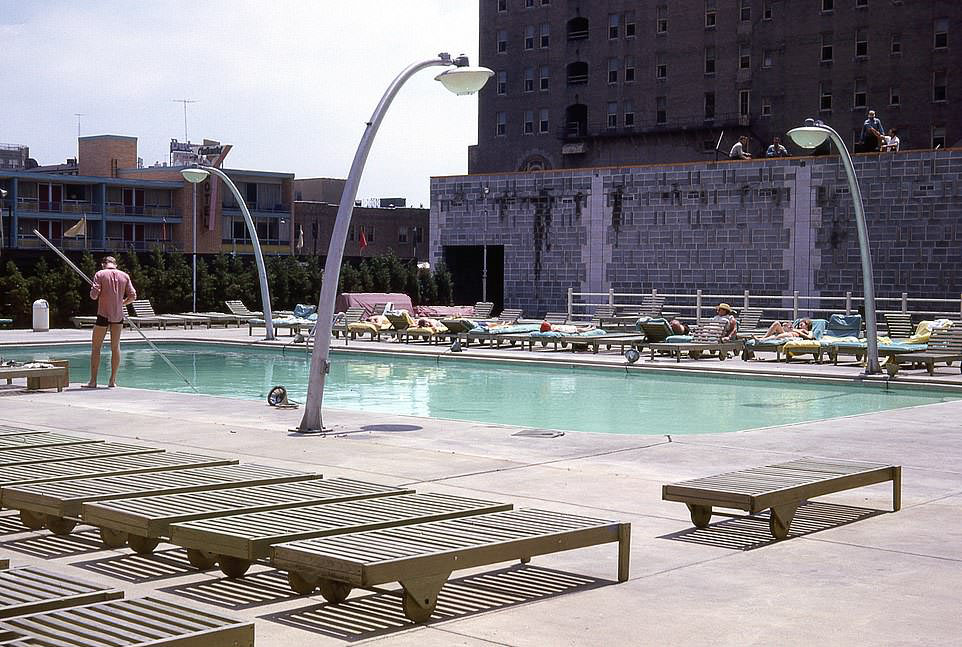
[529, 395]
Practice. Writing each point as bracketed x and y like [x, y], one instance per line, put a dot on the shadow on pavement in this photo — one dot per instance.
[132, 567]
[49, 546]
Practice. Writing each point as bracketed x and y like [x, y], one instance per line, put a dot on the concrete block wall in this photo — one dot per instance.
[768, 226]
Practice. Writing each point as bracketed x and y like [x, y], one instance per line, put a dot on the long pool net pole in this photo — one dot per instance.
[133, 325]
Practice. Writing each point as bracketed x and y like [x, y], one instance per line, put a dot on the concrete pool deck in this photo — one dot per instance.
[851, 573]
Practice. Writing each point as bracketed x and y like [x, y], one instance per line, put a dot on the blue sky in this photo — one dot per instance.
[289, 83]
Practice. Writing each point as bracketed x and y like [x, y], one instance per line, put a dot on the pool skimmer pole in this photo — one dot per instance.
[126, 318]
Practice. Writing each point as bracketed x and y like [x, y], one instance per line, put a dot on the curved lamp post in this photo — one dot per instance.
[197, 174]
[459, 78]
[811, 135]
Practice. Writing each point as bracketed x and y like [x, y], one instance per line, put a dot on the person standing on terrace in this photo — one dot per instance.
[740, 150]
[112, 290]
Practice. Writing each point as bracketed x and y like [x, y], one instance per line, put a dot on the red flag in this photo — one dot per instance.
[363, 239]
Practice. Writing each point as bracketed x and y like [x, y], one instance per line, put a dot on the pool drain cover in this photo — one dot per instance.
[539, 433]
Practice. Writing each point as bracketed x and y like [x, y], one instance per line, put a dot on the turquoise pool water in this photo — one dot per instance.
[528, 395]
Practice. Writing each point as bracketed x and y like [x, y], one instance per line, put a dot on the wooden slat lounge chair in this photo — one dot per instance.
[482, 310]
[237, 307]
[899, 325]
[705, 339]
[354, 314]
[510, 315]
[651, 305]
[57, 505]
[235, 542]
[150, 517]
[45, 439]
[215, 318]
[399, 325]
[37, 377]
[781, 487]
[140, 622]
[944, 346]
[85, 321]
[112, 466]
[556, 317]
[422, 557]
[31, 589]
[33, 455]
[748, 320]
[144, 310]
[14, 430]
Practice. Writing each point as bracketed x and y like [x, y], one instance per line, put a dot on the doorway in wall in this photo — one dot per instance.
[466, 264]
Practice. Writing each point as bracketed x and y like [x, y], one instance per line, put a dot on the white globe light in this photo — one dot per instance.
[808, 136]
[464, 80]
[195, 175]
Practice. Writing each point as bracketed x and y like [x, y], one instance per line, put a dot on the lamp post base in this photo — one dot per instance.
[312, 432]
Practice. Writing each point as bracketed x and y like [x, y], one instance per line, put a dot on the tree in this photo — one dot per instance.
[445, 283]
[428, 287]
[15, 295]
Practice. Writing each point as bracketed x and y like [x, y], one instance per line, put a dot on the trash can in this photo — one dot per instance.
[41, 315]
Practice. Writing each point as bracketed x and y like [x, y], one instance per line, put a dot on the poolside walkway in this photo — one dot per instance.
[850, 574]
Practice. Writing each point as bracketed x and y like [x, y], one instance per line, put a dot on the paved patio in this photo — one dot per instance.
[851, 573]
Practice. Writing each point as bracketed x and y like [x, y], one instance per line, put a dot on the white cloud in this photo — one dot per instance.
[289, 83]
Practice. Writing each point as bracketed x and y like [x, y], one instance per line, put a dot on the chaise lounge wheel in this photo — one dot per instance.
[694, 354]
[59, 525]
[700, 515]
[142, 545]
[778, 530]
[201, 559]
[333, 591]
[113, 538]
[233, 567]
[415, 612]
[301, 584]
[31, 520]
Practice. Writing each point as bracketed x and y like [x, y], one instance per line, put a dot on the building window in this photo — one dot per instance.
[661, 110]
[613, 65]
[860, 96]
[502, 6]
[629, 24]
[369, 231]
[895, 97]
[544, 78]
[661, 67]
[827, 49]
[501, 129]
[545, 2]
[543, 120]
[577, 73]
[941, 33]
[938, 137]
[767, 10]
[828, 5]
[529, 37]
[629, 69]
[711, 15]
[766, 109]
[661, 19]
[744, 57]
[745, 11]
[502, 82]
[502, 41]
[709, 106]
[528, 4]
[612, 114]
[709, 60]
[861, 4]
[861, 43]
[545, 35]
[825, 98]
[578, 28]
[402, 234]
[629, 109]
[744, 102]
[768, 58]
[614, 22]
[896, 46]
[939, 83]
[529, 79]
[528, 128]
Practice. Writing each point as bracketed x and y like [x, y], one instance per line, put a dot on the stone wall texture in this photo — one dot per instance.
[768, 226]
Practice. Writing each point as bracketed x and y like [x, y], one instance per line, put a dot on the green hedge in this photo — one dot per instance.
[165, 279]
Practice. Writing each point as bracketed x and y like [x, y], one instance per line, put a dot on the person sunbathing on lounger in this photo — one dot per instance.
[787, 330]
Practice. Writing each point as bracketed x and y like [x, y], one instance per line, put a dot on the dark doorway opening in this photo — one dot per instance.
[466, 263]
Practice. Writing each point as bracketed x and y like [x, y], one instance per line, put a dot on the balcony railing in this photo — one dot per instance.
[277, 208]
[145, 245]
[151, 211]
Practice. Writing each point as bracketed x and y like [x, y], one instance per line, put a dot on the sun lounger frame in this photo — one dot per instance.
[781, 487]
[33, 455]
[43, 439]
[32, 589]
[944, 346]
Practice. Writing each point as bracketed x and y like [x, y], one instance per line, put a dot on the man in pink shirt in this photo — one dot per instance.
[112, 290]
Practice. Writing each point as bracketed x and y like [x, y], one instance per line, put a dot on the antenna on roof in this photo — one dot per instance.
[185, 102]
[78, 115]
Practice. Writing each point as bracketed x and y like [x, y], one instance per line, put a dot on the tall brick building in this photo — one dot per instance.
[581, 83]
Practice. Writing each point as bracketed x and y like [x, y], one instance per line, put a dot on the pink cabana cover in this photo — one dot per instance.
[444, 311]
[368, 300]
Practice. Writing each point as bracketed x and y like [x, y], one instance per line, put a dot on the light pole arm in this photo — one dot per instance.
[872, 366]
[258, 256]
[311, 421]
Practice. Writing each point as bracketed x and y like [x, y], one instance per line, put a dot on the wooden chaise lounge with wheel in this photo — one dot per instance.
[139, 622]
[237, 541]
[781, 487]
[148, 519]
[32, 589]
[58, 505]
[944, 346]
[144, 312]
[422, 557]
[30, 455]
[354, 314]
[705, 339]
